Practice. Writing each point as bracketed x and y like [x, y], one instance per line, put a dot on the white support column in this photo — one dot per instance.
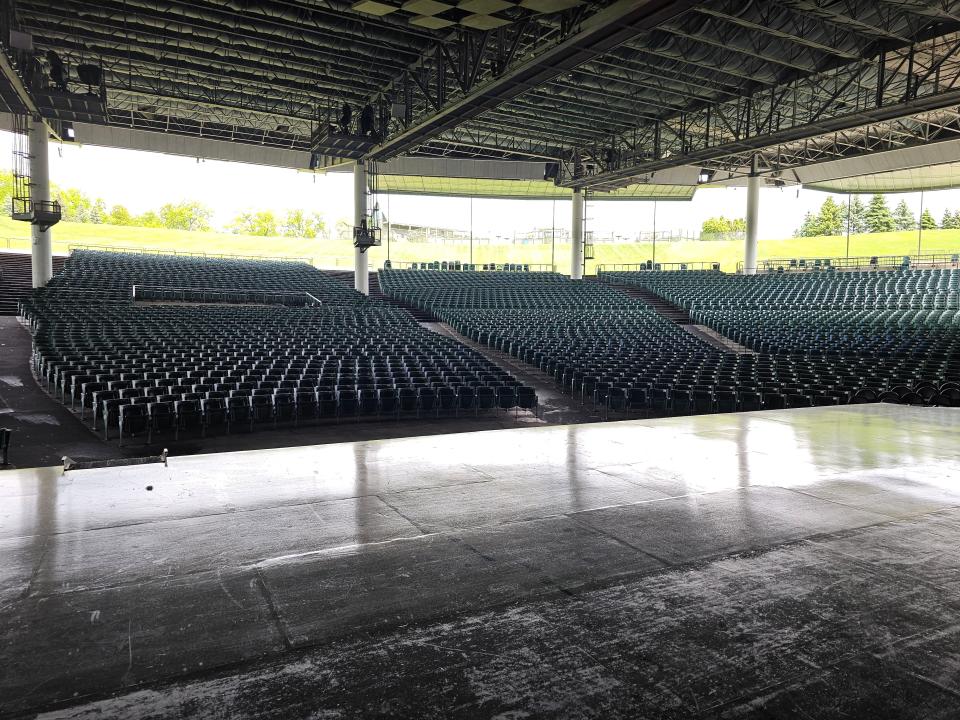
[576, 236]
[753, 217]
[361, 277]
[42, 249]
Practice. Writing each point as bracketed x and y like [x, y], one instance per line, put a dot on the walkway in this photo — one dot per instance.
[555, 407]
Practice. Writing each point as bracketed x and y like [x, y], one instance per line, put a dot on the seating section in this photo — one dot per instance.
[894, 330]
[16, 279]
[816, 344]
[141, 369]
[597, 343]
[112, 275]
[431, 289]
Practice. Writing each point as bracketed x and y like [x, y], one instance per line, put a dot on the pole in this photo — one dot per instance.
[576, 239]
[920, 226]
[849, 196]
[361, 278]
[388, 227]
[471, 229]
[753, 216]
[553, 236]
[654, 234]
[41, 260]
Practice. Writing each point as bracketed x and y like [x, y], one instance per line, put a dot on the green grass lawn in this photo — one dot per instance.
[339, 253]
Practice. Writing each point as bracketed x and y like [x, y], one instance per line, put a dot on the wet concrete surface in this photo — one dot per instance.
[781, 564]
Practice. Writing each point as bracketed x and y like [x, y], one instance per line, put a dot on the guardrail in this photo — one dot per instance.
[457, 266]
[651, 266]
[865, 262]
[184, 253]
[8, 243]
[229, 296]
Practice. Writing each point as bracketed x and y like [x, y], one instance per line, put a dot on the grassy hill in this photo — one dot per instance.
[339, 253]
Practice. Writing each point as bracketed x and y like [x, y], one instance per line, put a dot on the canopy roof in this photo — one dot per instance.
[520, 189]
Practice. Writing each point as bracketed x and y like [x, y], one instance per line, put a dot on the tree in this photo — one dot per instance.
[6, 190]
[903, 218]
[74, 206]
[148, 219]
[832, 219]
[723, 226]
[878, 215]
[262, 222]
[810, 226]
[189, 216]
[119, 215]
[858, 216]
[344, 229]
[926, 220]
[950, 220]
[297, 223]
[98, 212]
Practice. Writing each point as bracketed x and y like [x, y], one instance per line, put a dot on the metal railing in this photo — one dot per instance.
[651, 266]
[457, 266]
[225, 296]
[185, 253]
[865, 262]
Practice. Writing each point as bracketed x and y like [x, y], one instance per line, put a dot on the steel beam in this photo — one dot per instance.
[598, 34]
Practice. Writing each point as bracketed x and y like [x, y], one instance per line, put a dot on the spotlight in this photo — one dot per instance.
[58, 72]
[89, 75]
[367, 119]
[705, 176]
[343, 122]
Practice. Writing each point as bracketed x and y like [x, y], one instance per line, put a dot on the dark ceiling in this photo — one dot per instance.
[610, 89]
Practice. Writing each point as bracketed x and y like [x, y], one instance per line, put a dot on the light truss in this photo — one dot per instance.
[923, 129]
[612, 89]
[895, 84]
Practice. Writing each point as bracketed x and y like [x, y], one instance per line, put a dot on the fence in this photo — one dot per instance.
[184, 253]
[651, 266]
[457, 266]
[871, 262]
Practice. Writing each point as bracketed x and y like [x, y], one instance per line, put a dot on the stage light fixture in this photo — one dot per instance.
[58, 71]
[90, 75]
[343, 122]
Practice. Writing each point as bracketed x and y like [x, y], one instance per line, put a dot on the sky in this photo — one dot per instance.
[142, 181]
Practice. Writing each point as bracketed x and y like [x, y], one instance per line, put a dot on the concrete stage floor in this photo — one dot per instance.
[799, 564]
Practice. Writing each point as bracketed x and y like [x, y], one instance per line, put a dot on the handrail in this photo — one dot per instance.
[184, 253]
[870, 262]
[458, 266]
[651, 266]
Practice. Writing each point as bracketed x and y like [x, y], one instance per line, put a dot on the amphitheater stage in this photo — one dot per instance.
[779, 564]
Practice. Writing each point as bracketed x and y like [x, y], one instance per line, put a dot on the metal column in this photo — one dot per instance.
[361, 276]
[42, 246]
[753, 214]
[576, 237]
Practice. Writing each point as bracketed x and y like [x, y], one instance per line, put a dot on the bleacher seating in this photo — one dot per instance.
[203, 368]
[892, 329]
[111, 275]
[432, 289]
[819, 346]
